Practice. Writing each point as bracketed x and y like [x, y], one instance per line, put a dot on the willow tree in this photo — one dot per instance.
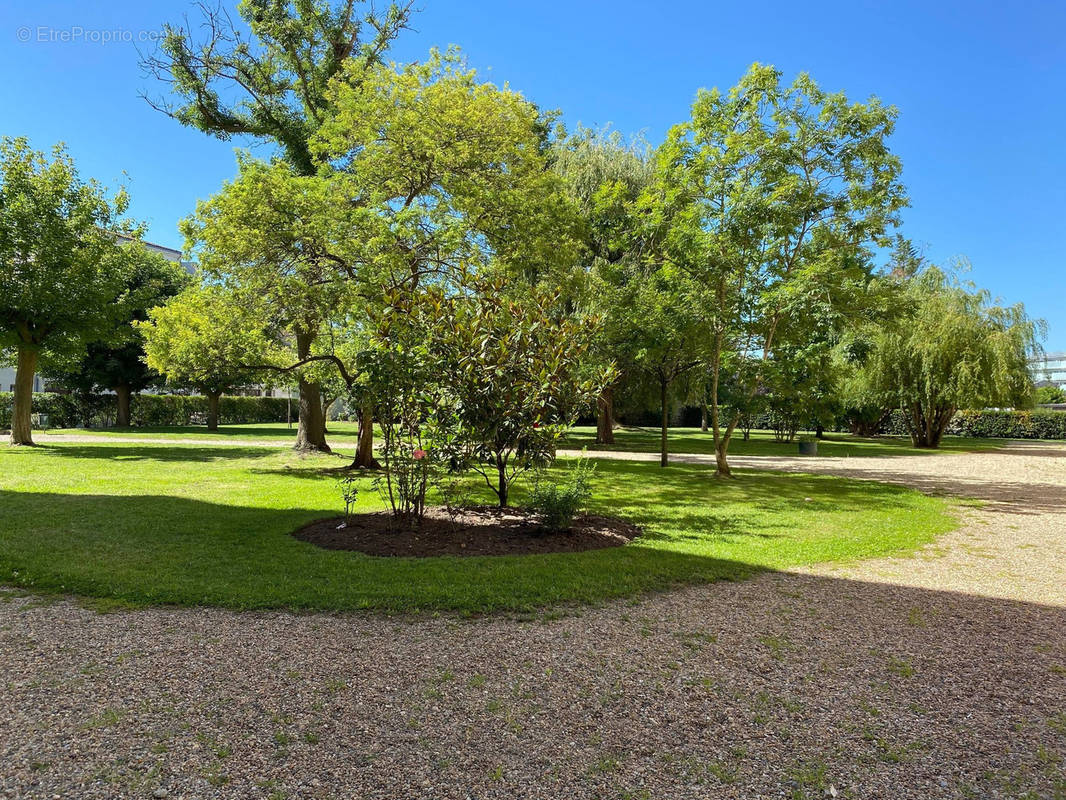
[766, 198]
[62, 272]
[605, 174]
[955, 347]
[266, 77]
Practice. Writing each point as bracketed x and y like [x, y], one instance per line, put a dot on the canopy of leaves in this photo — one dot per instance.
[65, 278]
[204, 340]
[266, 75]
[954, 348]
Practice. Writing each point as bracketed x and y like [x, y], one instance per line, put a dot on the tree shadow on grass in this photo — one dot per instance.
[118, 451]
[164, 549]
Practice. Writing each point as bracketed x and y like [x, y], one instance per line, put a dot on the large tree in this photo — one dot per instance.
[605, 174]
[266, 77]
[954, 347]
[431, 171]
[767, 198]
[116, 361]
[63, 273]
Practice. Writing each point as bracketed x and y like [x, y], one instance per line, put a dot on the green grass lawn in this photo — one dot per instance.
[343, 436]
[144, 523]
[762, 443]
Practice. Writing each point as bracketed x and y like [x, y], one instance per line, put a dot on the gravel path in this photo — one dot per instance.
[937, 676]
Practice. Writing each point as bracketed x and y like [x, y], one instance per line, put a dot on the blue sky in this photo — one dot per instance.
[979, 86]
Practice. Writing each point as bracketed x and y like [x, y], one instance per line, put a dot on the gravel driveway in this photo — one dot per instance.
[942, 675]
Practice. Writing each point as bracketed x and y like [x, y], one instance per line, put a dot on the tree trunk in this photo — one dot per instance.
[605, 417]
[703, 417]
[720, 460]
[122, 416]
[364, 446]
[664, 456]
[21, 426]
[311, 432]
[212, 410]
[501, 491]
[326, 403]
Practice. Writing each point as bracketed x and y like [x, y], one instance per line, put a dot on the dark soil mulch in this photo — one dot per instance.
[481, 531]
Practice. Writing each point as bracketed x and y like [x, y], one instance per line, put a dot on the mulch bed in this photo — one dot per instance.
[480, 531]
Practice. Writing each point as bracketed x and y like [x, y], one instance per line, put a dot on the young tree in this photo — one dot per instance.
[200, 339]
[767, 198]
[62, 271]
[116, 362]
[956, 348]
[514, 368]
[271, 85]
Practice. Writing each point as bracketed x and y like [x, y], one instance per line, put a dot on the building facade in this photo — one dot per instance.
[1050, 368]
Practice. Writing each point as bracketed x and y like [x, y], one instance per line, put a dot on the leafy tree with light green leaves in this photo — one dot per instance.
[431, 172]
[201, 339]
[767, 198]
[63, 273]
[1050, 395]
[267, 77]
[953, 348]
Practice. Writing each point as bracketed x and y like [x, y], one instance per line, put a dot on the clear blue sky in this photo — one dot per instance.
[979, 85]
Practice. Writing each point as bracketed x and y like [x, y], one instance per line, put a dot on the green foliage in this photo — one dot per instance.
[513, 369]
[147, 410]
[64, 276]
[559, 501]
[117, 360]
[953, 348]
[1010, 424]
[272, 84]
[1048, 395]
[204, 339]
[767, 199]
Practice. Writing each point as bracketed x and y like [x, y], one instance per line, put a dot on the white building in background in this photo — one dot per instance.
[7, 374]
[1049, 368]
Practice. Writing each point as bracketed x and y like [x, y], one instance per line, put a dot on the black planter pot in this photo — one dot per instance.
[808, 448]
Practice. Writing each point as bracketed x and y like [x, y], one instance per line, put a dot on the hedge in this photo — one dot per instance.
[1009, 424]
[146, 410]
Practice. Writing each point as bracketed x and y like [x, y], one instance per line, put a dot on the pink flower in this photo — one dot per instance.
[536, 424]
[419, 454]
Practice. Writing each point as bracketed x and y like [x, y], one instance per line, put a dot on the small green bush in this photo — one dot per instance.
[558, 502]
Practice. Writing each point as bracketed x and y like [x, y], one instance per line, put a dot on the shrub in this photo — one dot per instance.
[558, 502]
[147, 410]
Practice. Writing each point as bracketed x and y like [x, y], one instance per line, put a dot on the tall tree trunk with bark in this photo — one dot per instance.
[311, 432]
[664, 455]
[21, 424]
[364, 445]
[605, 417]
[703, 417]
[213, 399]
[122, 415]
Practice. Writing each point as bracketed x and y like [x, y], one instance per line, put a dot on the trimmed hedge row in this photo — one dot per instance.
[1009, 424]
[146, 410]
